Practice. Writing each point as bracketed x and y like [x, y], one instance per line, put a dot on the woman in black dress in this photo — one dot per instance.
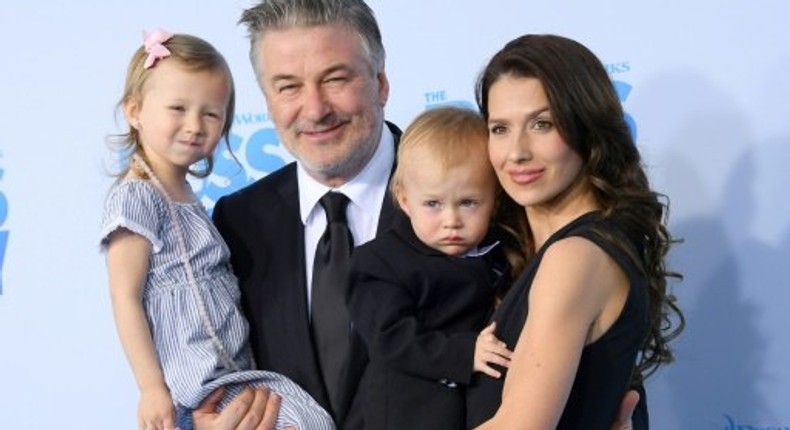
[590, 314]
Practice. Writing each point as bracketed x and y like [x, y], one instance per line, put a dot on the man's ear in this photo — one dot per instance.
[384, 87]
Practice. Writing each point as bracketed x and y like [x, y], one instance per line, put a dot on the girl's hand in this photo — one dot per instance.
[490, 350]
[156, 410]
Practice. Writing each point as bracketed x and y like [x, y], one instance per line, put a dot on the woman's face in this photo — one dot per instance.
[534, 164]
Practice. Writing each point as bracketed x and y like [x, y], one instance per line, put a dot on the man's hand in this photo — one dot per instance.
[251, 410]
[626, 411]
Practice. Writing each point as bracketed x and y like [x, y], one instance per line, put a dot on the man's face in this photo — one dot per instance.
[324, 98]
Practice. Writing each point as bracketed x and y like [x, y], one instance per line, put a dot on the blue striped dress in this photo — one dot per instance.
[191, 361]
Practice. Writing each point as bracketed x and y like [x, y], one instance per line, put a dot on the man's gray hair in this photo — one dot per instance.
[281, 14]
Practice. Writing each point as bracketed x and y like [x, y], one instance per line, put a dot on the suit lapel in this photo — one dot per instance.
[388, 210]
[290, 281]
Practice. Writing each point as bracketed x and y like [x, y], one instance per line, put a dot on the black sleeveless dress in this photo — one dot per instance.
[606, 366]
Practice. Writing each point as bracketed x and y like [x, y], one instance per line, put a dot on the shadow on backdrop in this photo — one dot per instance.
[710, 182]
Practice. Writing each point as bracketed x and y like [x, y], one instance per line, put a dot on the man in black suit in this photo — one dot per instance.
[320, 64]
[325, 87]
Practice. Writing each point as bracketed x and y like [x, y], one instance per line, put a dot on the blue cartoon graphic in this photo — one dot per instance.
[253, 159]
[257, 157]
[435, 99]
[623, 90]
[3, 233]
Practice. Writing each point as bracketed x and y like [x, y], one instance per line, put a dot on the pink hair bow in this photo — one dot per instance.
[153, 46]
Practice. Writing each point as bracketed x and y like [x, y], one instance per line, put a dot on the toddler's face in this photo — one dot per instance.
[449, 208]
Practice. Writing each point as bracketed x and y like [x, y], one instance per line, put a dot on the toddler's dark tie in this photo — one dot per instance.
[330, 321]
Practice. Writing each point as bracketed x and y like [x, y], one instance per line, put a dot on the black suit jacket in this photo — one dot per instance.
[263, 229]
[419, 312]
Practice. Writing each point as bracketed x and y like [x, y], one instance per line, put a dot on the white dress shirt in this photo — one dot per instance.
[365, 191]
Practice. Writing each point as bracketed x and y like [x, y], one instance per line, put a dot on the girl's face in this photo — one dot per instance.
[449, 208]
[534, 164]
[180, 115]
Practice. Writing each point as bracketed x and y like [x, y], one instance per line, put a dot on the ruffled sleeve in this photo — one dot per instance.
[136, 206]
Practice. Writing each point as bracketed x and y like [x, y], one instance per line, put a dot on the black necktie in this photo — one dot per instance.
[330, 320]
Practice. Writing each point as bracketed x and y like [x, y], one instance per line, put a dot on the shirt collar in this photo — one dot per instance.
[365, 190]
[479, 251]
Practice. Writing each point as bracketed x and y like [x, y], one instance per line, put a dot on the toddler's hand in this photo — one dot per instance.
[156, 410]
[490, 350]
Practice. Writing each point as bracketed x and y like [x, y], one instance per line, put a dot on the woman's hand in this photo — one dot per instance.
[490, 350]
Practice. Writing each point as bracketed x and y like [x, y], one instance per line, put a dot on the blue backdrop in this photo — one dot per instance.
[704, 84]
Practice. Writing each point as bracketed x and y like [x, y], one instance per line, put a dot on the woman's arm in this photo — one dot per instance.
[127, 267]
[577, 293]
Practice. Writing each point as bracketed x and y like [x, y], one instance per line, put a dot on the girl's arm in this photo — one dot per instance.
[576, 295]
[127, 267]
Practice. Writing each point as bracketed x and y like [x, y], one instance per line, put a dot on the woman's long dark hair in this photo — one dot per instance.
[590, 119]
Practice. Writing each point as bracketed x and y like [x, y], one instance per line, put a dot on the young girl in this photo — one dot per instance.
[174, 297]
[593, 296]
[422, 292]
